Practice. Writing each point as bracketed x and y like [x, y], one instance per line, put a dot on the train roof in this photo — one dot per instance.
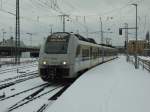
[91, 40]
[85, 39]
[80, 37]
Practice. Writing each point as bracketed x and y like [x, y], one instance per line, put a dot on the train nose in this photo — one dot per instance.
[53, 72]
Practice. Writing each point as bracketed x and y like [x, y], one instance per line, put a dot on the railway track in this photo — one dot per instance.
[18, 81]
[19, 76]
[2, 71]
[22, 92]
[37, 94]
[52, 99]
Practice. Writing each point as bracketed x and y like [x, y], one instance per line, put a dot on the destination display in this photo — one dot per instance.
[57, 39]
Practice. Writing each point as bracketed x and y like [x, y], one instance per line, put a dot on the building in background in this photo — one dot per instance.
[141, 47]
[7, 48]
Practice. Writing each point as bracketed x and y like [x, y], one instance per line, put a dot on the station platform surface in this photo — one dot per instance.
[115, 86]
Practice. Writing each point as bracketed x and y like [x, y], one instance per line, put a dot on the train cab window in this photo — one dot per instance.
[57, 44]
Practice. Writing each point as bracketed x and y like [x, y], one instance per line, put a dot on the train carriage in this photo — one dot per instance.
[64, 55]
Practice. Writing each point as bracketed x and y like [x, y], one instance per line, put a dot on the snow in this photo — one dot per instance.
[145, 57]
[28, 68]
[7, 61]
[115, 86]
[18, 88]
[12, 72]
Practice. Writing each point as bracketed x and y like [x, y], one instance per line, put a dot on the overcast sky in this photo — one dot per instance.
[38, 16]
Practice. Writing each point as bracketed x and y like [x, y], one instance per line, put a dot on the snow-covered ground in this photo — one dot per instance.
[145, 57]
[7, 61]
[11, 70]
[114, 86]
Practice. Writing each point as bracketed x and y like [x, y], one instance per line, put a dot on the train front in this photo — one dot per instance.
[54, 61]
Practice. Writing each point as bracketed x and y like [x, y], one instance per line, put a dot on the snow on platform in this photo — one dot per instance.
[111, 87]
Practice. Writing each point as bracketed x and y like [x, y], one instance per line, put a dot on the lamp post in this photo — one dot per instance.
[136, 59]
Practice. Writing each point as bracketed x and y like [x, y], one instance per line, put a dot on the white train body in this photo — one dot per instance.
[64, 55]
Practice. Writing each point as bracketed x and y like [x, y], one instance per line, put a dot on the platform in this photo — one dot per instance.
[115, 86]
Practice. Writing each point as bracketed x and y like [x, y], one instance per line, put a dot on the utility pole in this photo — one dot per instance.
[3, 36]
[101, 26]
[17, 36]
[1, 4]
[86, 27]
[136, 47]
[51, 30]
[102, 39]
[87, 32]
[11, 33]
[64, 23]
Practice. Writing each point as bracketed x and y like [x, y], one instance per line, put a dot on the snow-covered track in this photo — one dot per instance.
[34, 96]
[35, 75]
[53, 98]
[22, 92]
[18, 76]
[2, 71]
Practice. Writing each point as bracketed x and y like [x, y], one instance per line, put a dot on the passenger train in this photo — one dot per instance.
[64, 55]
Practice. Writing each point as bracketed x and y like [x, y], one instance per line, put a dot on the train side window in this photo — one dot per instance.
[105, 53]
[91, 52]
[85, 53]
[78, 51]
[94, 52]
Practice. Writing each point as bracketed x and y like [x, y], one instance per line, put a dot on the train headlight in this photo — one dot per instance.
[64, 62]
[44, 62]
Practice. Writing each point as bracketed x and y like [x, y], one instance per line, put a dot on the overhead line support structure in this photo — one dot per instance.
[64, 21]
[17, 35]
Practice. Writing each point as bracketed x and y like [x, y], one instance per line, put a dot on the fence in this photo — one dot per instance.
[141, 62]
[144, 63]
